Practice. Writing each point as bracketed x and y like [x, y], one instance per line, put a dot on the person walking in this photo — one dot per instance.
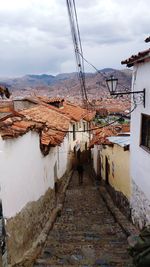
[80, 173]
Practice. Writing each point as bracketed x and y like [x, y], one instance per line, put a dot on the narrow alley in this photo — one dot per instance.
[85, 234]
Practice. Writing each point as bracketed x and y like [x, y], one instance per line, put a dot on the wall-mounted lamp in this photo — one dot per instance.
[112, 86]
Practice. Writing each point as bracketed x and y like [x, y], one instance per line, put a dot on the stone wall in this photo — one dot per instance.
[140, 207]
[23, 229]
[120, 201]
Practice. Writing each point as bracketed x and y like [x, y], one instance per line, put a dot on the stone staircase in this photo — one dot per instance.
[85, 234]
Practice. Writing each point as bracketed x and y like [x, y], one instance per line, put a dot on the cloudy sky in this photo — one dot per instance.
[35, 34]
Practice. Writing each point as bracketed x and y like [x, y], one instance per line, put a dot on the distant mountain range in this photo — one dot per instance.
[67, 84]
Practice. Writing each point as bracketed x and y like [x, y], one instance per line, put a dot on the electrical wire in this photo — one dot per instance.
[80, 58]
[98, 127]
[76, 37]
[77, 47]
[105, 76]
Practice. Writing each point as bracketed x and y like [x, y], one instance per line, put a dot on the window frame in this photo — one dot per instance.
[142, 144]
[74, 132]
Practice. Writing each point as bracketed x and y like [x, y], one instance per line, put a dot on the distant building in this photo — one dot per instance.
[140, 139]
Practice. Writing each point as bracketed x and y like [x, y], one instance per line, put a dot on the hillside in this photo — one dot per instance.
[67, 84]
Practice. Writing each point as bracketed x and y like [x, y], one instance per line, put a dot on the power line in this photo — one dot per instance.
[74, 25]
[77, 47]
[98, 127]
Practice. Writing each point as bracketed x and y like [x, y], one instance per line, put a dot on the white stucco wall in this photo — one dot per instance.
[140, 159]
[81, 136]
[62, 157]
[25, 174]
[94, 157]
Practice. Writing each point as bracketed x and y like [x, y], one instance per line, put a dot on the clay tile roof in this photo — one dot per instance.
[51, 137]
[17, 126]
[89, 115]
[48, 116]
[136, 58]
[100, 135]
[51, 126]
[74, 112]
[51, 99]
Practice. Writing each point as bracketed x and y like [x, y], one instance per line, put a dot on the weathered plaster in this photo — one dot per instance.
[140, 207]
[118, 173]
[24, 229]
[25, 173]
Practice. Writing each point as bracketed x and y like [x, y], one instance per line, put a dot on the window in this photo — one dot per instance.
[84, 126]
[113, 169]
[74, 132]
[76, 126]
[145, 131]
[87, 126]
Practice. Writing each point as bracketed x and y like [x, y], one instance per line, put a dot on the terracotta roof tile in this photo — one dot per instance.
[50, 99]
[136, 58]
[100, 135]
[72, 111]
[89, 115]
[51, 126]
[50, 122]
[48, 116]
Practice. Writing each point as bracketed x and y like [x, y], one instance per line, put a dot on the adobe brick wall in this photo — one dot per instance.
[120, 201]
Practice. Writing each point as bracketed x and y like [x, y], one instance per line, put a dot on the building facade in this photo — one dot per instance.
[111, 164]
[140, 139]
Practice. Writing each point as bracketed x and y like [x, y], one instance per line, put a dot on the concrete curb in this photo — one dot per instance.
[31, 255]
[127, 227]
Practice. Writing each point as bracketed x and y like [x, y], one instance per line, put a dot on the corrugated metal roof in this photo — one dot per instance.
[122, 141]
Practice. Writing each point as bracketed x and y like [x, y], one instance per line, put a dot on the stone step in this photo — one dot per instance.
[86, 234]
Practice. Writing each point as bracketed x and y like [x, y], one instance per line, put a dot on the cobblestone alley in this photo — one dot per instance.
[86, 233]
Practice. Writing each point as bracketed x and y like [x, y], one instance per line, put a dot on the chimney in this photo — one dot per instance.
[6, 106]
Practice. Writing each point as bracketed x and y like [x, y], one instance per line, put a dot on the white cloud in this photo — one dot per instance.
[35, 35]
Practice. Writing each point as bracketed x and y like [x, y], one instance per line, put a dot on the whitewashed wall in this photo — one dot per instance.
[81, 137]
[25, 174]
[62, 157]
[140, 159]
[94, 157]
